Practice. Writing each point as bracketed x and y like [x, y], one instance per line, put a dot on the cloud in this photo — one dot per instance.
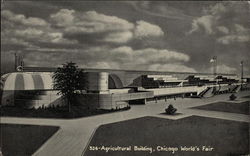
[44, 44]
[240, 29]
[122, 57]
[89, 22]
[92, 24]
[145, 29]
[233, 38]
[216, 9]
[224, 69]
[238, 34]
[208, 22]
[159, 55]
[171, 67]
[36, 36]
[127, 55]
[29, 31]
[52, 50]
[118, 37]
[64, 17]
[21, 19]
[15, 41]
[204, 22]
[223, 29]
[70, 27]
[216, 22]
[101, 65]
[57, 37]
[158, 9]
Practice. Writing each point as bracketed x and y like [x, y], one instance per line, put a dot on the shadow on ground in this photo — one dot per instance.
[175, 114]
[60, 112]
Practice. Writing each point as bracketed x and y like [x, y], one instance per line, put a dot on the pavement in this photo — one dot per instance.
[74, 135]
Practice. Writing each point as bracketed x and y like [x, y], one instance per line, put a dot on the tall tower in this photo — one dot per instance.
[214, 61]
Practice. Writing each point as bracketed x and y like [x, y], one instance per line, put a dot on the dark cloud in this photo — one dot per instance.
[153, 35]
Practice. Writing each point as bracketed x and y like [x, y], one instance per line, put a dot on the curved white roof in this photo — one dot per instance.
[28, 81]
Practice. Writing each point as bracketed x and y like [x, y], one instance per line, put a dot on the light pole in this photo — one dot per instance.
[15, 54]
[215, 66]
[242, 66]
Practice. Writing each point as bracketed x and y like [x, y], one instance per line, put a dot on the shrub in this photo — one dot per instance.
[170, 110]
[127, 108]
[232, 97]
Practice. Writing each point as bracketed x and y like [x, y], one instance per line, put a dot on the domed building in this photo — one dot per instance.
[29, 90]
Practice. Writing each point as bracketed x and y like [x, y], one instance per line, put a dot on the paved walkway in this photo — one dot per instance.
[74, 134]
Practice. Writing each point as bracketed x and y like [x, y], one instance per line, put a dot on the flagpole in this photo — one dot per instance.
[215, 66]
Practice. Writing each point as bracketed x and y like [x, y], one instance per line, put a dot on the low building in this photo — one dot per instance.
[107, 89]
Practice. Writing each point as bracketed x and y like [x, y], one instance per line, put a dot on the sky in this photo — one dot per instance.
[177, 36]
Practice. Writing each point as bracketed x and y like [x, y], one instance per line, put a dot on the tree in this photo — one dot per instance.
[68, 79]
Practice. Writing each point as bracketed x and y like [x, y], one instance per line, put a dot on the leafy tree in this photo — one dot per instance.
[68, 79]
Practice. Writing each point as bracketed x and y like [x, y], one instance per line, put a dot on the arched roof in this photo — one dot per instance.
[27, 81]
[116, 80]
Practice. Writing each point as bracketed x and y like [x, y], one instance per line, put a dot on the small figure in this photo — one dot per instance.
[170, 110]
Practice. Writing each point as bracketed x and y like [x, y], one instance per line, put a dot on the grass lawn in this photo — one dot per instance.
[23, 140]
[241, 108]
[226, 137]
[61, 112]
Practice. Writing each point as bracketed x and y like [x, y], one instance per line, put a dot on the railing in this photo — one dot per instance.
[132, 96]
[176, 90]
